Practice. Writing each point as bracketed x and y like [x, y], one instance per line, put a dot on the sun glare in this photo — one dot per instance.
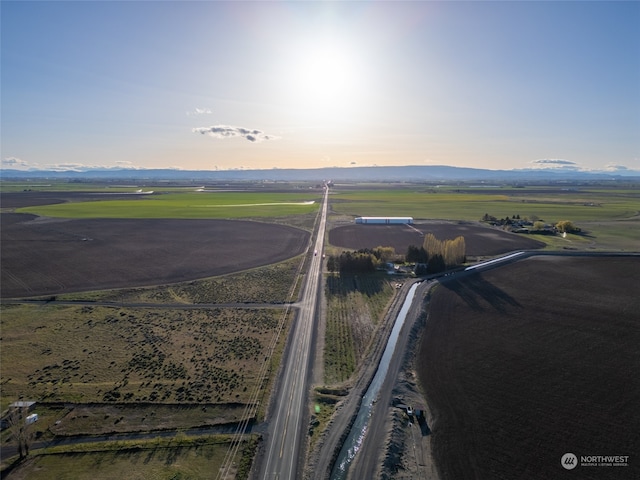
[323, 81]
[326, 74]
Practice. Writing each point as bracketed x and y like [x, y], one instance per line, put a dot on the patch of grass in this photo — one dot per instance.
[623, 234]
[324, 406]
[269, 284]
[177, 458]
[355, 305]
[187, 205]
[95, 419]
[303, 221]
[597, 235]
[570, 242]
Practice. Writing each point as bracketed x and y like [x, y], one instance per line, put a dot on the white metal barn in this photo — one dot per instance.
[385, 220]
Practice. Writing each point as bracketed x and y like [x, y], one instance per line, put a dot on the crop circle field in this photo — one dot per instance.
[50, 256]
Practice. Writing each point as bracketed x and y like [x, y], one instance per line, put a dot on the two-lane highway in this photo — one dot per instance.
[286, 432]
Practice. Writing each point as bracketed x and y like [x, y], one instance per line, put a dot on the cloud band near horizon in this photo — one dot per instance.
[554, 161]
[228, 131]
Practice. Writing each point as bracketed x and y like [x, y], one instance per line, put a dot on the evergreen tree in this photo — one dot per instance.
[436, 264]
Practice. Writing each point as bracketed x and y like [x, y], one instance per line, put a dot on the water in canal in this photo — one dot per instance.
[359, 428]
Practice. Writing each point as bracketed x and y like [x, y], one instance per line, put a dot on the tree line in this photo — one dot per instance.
[536, 223]
[432, 256]
[365, 260]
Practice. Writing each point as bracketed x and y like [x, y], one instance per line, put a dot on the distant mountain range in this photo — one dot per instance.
[425, 173]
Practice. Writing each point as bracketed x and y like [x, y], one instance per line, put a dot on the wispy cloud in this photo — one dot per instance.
[67, 167]
[14, 162]
[570, 166]
[556, 163]
[553, 161]
[199, 111]
[228, 131]
[614, 167]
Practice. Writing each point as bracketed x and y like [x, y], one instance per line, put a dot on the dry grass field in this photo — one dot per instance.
[527, 362]
[87, 354]
[181, 458]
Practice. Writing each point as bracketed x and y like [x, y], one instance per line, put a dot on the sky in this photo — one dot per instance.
[217, 85]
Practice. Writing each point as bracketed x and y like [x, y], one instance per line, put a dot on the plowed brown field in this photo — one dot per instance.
[479, 240]
[524, 363]
[51, 256]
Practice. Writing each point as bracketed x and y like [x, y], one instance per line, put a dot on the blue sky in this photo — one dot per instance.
[230, 85]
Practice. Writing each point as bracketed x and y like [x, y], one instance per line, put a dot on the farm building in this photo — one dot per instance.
[385, 220]
[29, 405]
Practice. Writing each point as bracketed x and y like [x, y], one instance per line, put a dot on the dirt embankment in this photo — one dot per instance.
[398, 445]
[407, 452]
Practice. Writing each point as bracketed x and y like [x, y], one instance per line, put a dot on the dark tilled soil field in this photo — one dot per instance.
[27, 199]
[51, 256]
[479, 240]
[527, 362]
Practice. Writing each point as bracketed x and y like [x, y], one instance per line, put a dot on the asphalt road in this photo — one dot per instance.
[287, 430]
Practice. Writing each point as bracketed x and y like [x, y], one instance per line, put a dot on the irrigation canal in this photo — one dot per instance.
[359, 428]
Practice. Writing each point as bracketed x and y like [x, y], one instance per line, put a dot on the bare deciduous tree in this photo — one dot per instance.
[21, 431]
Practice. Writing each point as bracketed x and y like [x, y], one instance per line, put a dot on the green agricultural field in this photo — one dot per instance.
[609, 218]
[187, 205]
[445, 204]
